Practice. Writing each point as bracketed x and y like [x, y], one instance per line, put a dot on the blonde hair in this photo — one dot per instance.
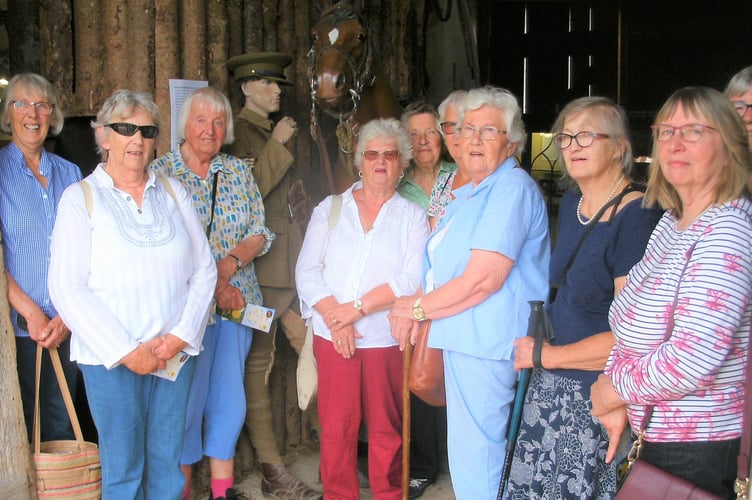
[717, 110]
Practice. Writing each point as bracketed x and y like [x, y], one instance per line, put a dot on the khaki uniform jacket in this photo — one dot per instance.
[274, 175]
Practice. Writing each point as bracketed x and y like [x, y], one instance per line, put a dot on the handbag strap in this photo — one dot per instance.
[612, 204]
[58, 367]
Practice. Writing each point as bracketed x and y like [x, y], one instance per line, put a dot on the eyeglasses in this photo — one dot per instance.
[372, 155]
[448, 128]
[741, 107]
[583, 139]
[43, 108]
[129, 129]
[691, 132]
[487, 133]
[430, 134]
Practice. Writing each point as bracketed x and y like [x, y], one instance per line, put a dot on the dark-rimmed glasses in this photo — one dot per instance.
[129, 129]
[44, 108]
[583, 139]
[372, 155]
[487, 132]
[448, 128]
[741, 107]
[691, 132]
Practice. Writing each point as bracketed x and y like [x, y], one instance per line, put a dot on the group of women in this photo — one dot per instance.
[652, 305]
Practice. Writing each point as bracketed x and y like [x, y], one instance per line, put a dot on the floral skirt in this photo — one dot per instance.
[561, 448]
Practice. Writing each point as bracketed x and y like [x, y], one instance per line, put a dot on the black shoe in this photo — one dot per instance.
[230, 494]
[418, 487]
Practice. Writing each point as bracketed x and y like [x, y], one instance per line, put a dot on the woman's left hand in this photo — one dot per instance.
[344, 341]
[403, 307]
[169, 347]
[523, 352]
[228, 297]
[58, 332]
[615, 423]
[603, 396]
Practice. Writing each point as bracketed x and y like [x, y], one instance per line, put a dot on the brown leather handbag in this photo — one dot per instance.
[426, 375]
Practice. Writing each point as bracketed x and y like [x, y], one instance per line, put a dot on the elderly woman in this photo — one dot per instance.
[739, 91]
[132, 276]
[448, 181]
[230, 208]
[561, 448]
[682, 320]
[361, 251]
[486, 258]
[421, 120]
[32, 182]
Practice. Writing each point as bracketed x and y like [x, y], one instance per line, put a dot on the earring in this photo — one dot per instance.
[402, 174]
[360, 174]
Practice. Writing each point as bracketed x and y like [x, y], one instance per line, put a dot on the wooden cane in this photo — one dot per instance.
[406, 357]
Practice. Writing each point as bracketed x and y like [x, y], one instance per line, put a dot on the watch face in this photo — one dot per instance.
[418, 313]
[358, 304]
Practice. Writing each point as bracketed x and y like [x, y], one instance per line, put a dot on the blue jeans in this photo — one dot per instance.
[55, 423]
[711, 465]
[140, 420]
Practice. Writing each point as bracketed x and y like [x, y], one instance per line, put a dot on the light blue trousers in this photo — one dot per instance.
[216, 403]
[479, 395]
[140, 419]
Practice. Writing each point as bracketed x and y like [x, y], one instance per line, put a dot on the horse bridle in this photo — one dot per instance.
[361, 70]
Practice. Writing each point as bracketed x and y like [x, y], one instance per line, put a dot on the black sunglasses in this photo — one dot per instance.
[129, 129]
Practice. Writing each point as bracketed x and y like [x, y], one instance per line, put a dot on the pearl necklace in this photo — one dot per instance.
[585, 222]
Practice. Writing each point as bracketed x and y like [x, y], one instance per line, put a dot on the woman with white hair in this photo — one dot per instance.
[361, 251]
[132, 276]
[487, 257]
[229, 205]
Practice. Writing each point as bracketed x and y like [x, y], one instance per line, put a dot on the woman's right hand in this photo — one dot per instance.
[142, 359]
[228, 297]
[615, 423]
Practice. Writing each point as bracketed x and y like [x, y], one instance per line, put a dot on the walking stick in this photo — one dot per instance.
[406, 356]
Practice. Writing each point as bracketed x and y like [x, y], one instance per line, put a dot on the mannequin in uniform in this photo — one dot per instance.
[263, 143]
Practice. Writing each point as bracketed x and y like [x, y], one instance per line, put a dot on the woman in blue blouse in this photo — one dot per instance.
[31, 184]
[230, 207]
[486, 258]
[561, 448]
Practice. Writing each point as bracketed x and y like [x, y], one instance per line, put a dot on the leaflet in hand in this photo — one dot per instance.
[258, 317]
[174, 365]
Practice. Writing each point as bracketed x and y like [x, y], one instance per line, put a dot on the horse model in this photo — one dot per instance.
[348, 84]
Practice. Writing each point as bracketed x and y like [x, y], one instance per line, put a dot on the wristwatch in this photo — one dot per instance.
[238, 262]
[418, 312]
[358, 305]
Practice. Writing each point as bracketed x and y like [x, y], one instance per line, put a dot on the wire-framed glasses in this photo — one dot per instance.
[487, 132]
[691, 132]
[23, 106]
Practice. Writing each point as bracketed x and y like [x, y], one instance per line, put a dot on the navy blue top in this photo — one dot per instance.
[612, 248]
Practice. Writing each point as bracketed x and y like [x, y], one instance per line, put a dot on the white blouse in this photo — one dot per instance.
[351, 262]
[122, 275]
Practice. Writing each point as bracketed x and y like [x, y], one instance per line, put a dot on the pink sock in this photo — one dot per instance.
[187, 493]
[219, 487]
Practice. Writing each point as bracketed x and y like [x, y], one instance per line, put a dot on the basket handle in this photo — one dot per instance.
[58, 367]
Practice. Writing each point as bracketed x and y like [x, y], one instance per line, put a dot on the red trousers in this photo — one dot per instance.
[366, 387]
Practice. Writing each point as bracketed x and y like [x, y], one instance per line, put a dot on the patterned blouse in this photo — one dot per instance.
[238, 210]
[696, 377]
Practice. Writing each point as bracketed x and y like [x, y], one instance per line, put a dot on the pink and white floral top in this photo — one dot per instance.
[695, 378]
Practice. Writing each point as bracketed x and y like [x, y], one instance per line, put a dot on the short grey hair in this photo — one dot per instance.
[455, 99]
[123, 104]
[740, 83]
[31, 82]
[419, 108]
[502, 100]
[385, 127]
[217, 101]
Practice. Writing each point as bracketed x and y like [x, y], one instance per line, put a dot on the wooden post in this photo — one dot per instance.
[166, 63]
[16, 469]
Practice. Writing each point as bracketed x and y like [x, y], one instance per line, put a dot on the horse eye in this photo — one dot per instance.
[315, 37]
[361, 36]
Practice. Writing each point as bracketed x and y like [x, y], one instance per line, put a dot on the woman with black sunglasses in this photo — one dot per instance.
[132, 275]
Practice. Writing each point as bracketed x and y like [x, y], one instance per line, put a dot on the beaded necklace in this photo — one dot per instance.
[585, 222]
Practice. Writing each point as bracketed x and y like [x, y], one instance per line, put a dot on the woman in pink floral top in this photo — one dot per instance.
[693, 284]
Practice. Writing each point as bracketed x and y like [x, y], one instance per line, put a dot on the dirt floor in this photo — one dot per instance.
[305, 465]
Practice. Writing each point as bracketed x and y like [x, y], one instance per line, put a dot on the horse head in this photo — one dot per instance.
[341, 60]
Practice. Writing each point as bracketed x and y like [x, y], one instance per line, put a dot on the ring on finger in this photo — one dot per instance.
[340, 341]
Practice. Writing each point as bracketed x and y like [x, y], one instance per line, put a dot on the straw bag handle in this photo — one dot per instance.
[58, 366]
